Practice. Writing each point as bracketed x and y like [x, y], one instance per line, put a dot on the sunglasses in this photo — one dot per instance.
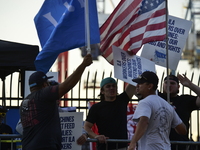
[2, 114]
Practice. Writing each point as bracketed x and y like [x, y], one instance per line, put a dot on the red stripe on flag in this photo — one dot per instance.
[131, 32]
[117, 20]
[121, 16]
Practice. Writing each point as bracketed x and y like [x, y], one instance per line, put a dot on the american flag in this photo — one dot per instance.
[132, 24]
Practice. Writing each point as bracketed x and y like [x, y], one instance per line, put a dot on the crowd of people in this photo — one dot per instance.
[158, 121]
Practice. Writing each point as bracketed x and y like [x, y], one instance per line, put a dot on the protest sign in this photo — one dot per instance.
[127, 67]
[178, 30]
[71, 126]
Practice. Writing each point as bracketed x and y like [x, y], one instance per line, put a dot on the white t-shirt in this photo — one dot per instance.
[162, 117]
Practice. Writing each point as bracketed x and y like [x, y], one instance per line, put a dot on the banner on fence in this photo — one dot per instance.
[71, 126]
[127, 67]
[178, 30]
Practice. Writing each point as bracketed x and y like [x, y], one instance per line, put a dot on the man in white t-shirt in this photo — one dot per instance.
[155, 117]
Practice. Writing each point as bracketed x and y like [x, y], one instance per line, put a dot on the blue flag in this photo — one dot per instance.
[61, 27]
[47, 18]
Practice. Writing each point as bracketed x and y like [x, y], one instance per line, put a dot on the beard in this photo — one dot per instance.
[139, 96]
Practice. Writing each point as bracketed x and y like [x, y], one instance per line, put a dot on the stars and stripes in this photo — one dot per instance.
[132, 24]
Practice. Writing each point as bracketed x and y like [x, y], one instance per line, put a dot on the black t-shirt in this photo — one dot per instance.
[5, 129]
[111, 119]
[184, 105]
[40, 120]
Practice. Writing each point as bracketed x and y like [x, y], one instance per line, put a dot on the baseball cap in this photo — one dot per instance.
[172, 77]
[37, 78]
[147, 76]
[106, 81]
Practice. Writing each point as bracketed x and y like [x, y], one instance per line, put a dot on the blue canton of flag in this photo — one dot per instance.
[69, 31]
[149, 5]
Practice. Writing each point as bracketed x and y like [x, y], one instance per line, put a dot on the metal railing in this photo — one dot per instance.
[14, 138]
[196, 145]
[10, 138]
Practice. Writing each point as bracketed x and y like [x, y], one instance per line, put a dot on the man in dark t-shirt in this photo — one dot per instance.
[39, 110]
[39, 113]
[183, 104]
[110, 115]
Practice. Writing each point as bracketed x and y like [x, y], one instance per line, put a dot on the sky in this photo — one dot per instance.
[16, 18]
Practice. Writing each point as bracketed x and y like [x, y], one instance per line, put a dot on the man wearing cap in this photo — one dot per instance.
[39, 110]
[4, 129]
[110, 115]
[183, 104]
[155, 116]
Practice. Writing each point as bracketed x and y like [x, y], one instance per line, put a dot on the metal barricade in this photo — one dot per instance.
[195, 145]
[10, 138]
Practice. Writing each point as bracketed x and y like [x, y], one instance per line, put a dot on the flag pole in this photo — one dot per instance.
[167, 54]
[87, 27]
